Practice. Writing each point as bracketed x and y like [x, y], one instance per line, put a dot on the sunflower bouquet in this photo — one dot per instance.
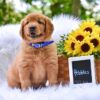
[83, 41]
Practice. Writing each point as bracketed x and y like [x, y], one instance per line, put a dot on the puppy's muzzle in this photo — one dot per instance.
[32, 30]
[33, 33]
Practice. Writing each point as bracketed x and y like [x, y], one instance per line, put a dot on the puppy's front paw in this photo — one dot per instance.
[25, 85]
[52, 83]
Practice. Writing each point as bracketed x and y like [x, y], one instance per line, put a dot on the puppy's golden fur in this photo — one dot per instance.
[33, 67]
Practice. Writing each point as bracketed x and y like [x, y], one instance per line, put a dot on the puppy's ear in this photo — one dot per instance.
[49, 26]
[22, 28]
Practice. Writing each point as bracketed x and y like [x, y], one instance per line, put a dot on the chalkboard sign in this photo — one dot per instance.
[81, 70]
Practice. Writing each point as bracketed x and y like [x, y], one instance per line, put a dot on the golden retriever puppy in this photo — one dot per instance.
[37, 59]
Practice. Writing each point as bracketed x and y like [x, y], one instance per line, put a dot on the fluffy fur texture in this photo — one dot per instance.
[10, 39]
[9, 45]
[64, 24]
[76, 92]
[33, 67]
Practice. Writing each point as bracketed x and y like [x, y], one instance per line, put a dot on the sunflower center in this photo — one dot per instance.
[73, 46]
[88, 29]
[80, 37]
[95, 42]
[85, 47]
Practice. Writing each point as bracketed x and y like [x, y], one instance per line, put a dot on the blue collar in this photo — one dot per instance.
[41, 44]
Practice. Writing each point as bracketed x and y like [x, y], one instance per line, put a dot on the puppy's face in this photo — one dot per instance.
[36, 27]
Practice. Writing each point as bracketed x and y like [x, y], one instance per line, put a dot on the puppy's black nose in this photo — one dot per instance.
[32, 28]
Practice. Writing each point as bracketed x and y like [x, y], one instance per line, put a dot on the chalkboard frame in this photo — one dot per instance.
[91, 58]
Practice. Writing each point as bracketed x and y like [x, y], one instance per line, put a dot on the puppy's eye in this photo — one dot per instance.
[27, 22]
[40, 21]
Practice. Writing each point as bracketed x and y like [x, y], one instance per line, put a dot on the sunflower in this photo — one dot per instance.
[70, 46]
[96, 30]
[88, 25]
[79, 35]
[95, 40]
[86, 47]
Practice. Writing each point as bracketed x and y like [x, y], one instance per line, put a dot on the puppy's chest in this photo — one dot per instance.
[37, 56]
